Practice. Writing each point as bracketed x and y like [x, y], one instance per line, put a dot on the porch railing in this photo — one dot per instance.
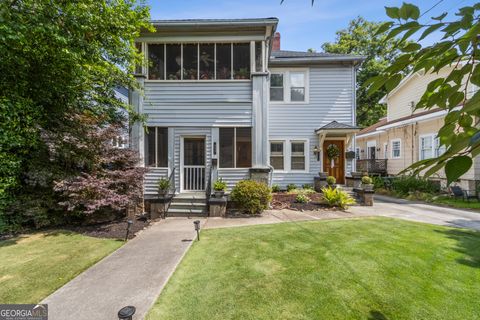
[376, 166]
[194, 178]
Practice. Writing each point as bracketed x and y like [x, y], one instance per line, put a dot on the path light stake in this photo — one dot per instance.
[129, 225]
[126, 313]
[197, 228]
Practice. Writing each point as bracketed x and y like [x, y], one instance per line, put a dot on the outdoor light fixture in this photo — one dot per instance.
[316, 151]
[196, 223]
[126, 313]
[129, 225]
[214, 148]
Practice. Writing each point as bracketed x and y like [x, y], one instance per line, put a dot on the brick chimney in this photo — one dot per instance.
[276, 42]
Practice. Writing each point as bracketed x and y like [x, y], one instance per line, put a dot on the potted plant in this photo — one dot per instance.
[163, 186]
[219, 188]
[331, 181]
[367, 183]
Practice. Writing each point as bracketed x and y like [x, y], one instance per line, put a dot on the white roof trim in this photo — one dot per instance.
[370, 134]
[425, 117]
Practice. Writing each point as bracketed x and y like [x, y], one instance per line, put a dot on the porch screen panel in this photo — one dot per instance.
[241, 60]
[156, 67]
[174, 61]
[227, 145]
[190, 62]
[150, 147]
[224, 61]
[244, 147]
[258, 56]
[207, 62]
[162, 147]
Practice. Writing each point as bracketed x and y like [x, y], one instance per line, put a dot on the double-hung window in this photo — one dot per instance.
[277, 156]
[396, 148]
[297, 155]
[288, 86]
[235, 147]
[439, 149]
[426, 147]
[156, 147]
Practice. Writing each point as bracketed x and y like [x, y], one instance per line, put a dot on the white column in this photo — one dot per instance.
[260, 119]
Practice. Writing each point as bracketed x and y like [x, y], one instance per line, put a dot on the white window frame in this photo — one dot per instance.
[235, 149]
[357, 153]
[156, 145]
[432, 146]
[399, 148]
[287, 154]
[385, 150]
[436, 146]
[283, 155]
[287, 87]
[370, 144]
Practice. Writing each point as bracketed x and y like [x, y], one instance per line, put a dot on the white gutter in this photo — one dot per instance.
[373, 133]
[426, 117]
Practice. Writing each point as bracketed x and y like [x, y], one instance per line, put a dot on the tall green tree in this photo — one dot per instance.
[458, 48]
[60, 59]
[359, 38]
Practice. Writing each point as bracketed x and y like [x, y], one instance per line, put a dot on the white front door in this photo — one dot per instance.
[193, 169]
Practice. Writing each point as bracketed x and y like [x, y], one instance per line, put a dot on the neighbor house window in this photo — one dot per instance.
[156, 147]
[385, 150]
[439, 149]
[277, 158]
[199, 61]
[288, 86]
[426, 147]
[357, 153]
[396, 148]
[297, 161]
[235, 148]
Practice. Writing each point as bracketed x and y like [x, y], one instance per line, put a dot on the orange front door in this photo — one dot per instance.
[335, 167]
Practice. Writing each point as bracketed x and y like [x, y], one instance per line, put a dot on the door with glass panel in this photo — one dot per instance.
[193, 165]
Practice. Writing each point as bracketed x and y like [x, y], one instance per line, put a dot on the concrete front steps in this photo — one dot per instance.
[191, 204]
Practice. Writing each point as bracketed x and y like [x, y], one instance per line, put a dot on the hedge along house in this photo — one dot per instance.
[222, 100]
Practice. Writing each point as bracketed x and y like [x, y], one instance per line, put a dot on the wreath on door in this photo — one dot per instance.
[333, 152]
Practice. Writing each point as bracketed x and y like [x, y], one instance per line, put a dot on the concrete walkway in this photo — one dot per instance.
[134, 275]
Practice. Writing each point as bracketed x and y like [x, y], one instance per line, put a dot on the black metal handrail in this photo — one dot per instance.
[170, 192]
[208, 190]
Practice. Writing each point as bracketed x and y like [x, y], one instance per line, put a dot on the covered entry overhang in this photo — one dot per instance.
[336, 129]
[339, 136]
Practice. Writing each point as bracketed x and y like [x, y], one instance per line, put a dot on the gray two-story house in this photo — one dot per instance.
[222, 100]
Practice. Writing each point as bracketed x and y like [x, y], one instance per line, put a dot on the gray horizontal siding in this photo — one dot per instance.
[151, 180]
[191, 104]
[233, 176]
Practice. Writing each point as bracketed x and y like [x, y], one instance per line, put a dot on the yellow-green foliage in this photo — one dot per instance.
[302, 198]
[252, 196]
[336, 197]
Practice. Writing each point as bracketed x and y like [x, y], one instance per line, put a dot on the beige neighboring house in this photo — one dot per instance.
[406, 135]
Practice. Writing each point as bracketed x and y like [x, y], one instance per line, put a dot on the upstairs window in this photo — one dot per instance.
[276, 87]
[241, 61]
[190, 62]
[235, 148]
[174, 61]
[156, 147]
[426, 147]
[156, 56]
[258, 56]
[207, 61]
[224, 61]
[288, 86]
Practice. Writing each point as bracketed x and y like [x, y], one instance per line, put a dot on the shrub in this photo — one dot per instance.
[219, 185]
[307, 186]
[367, 180]
[331, 180]
[302, 198]
[406, 184]
[337, 198]
[251, 196]
[275, 188]
[291, 187]
[378, 182]
[163, 184]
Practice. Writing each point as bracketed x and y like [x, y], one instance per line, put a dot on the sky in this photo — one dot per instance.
[302, 26]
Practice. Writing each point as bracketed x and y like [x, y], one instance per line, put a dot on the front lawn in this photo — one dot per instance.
[457, 203]
[35, 265]
[375, 268]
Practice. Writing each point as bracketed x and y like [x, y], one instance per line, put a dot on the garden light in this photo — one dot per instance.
[129, 225]
[126, 313]
[196, 223]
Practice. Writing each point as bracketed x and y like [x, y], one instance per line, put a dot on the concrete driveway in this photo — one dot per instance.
[420, 212]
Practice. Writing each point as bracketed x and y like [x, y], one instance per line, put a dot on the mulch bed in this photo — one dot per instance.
[114, 230]
[287, 201]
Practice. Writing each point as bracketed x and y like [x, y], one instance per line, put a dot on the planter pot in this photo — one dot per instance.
[162, 193]
[219, 193]
[323, 175]
[368, 187]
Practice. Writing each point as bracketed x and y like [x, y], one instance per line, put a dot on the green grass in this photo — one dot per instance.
[33, 266]
[374, 268]
[458, 203]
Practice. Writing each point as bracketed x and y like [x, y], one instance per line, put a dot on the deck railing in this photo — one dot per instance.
[376, 166]
[194, 178]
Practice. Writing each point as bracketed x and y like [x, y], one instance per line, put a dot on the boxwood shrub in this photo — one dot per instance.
[251, 196]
